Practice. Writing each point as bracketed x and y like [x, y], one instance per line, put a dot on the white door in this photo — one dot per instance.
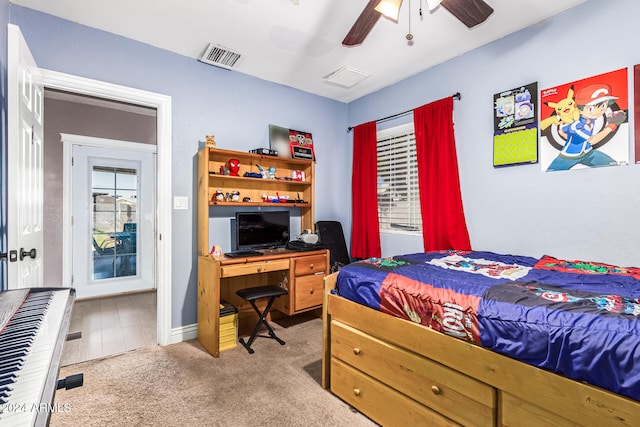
[113, 223]
[24, 169]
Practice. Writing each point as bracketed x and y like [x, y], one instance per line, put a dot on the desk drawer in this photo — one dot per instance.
[310, 265]
[308, 291]
[253, 268]
[430, 383]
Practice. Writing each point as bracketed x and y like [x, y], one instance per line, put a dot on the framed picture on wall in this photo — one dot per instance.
[301, 144]
[291, 143]
[279, 141]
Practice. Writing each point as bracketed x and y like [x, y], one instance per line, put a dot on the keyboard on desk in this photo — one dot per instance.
[242, 254]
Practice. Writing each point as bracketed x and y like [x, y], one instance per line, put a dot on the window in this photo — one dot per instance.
[398, 195]
[114, 232]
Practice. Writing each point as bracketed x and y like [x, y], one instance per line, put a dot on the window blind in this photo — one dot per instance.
[398, 196]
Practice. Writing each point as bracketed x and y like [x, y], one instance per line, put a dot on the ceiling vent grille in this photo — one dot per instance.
[220, 57]
[346, 77]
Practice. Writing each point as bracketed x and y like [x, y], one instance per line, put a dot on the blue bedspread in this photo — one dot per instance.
[579, 319]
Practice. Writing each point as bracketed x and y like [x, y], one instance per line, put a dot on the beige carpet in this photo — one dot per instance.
[182, 385]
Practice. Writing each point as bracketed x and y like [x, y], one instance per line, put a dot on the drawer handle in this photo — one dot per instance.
[311, 266]
[356, 391]
[311, 291]
[436, 390]
[259, 269]
[356, 351]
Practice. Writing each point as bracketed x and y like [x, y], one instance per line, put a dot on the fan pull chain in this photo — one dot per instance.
[409, 36]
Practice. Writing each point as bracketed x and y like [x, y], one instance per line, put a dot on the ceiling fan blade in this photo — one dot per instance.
[470, 12]
[363, 24]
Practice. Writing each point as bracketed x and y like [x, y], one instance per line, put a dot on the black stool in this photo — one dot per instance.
[251, 294]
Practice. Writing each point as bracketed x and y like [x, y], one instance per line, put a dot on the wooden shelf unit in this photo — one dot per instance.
[210, 162]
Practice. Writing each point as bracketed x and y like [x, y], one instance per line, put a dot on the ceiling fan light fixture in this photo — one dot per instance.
[389, 9]
[432, 4]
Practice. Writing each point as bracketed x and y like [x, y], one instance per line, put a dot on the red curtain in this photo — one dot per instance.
[443, 223]
[365, 233]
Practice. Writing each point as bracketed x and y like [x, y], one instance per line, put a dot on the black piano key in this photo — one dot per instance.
[10, 368]
[15, 355]
[9, 379]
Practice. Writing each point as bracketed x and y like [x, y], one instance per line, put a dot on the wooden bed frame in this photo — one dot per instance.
[400, 373]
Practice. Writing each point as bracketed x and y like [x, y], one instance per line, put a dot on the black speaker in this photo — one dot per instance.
[330, 233]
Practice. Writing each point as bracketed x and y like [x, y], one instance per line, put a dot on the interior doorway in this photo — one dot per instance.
[129, 100]
[111, 202]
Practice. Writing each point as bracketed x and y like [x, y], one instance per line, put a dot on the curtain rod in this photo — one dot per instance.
[454, 96]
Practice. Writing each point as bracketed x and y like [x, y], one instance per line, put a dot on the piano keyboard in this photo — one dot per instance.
[30, 350]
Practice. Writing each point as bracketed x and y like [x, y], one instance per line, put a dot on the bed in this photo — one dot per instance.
[479, 338]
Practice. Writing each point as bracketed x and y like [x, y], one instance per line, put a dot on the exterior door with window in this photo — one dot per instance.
[113, 204]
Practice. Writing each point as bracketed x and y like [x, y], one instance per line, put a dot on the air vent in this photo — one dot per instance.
[346, 77]
[220, 57]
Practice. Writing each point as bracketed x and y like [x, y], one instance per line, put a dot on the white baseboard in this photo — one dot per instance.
[184, 333]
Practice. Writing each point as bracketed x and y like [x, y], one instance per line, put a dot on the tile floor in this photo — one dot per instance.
[111, 325]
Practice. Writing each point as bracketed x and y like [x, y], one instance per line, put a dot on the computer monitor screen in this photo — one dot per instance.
[261, 230]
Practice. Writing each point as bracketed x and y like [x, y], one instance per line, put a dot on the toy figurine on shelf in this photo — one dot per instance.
[269, 173]
[216, 251]
[234, 167]
[211, 141]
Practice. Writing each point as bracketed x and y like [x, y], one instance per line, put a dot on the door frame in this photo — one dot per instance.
[162, 104]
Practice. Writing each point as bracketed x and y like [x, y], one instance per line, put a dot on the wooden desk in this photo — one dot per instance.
[218, 279]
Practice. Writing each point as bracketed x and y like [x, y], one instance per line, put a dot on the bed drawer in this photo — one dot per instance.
[515, 412]
[310, 265]
[430, 383]
[308, 291]
[379, 402]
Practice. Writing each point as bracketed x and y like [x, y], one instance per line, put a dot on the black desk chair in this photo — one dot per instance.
[251, 294]
[330, 233]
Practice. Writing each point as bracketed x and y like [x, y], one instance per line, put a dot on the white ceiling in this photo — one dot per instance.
[299, 42]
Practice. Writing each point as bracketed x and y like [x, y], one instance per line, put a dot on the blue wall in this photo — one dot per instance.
[589, 214]
[206, 100]
[584, 214]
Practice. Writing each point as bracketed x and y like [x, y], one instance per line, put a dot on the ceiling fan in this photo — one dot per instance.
[469, 12]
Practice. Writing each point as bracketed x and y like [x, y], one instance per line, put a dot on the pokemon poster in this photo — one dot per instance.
[515, 131]
[584, 124]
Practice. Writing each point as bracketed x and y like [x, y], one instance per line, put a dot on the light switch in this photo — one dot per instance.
[180, 202]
